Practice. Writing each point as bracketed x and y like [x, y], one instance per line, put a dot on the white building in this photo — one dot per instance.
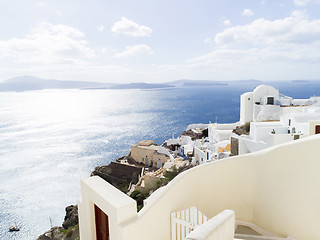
[219, 138]
[291, 127]
[273, 194]
[266, 104]
[202, 152]
[270, 194]
[182, 145]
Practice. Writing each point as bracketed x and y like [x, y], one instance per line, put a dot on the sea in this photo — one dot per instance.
[50, 139]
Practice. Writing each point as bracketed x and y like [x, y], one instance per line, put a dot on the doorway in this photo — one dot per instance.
[102, 224]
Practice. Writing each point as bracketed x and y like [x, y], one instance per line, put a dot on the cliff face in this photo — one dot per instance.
[70, 229]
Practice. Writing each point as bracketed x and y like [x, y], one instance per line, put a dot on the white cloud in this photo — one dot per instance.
[47, 44]
[59, 13]
[301, 2]
[100, 28]
[41, 4]
[288, 47]
[294, 29]
[207, 40]
[128, 27]
[227, 22]
[247, 12]
[133, 50]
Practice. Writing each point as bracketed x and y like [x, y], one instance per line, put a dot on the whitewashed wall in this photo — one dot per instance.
[276, 189]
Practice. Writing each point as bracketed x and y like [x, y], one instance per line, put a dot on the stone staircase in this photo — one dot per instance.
[255, 237]
[246, 232]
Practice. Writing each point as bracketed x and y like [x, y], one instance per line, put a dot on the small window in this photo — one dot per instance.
[270, 100]
[249, 99]
[289, 122]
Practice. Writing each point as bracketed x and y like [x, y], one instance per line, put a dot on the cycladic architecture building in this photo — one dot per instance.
[271, 194]
[274, 119]
[263, 99]
[266, 104]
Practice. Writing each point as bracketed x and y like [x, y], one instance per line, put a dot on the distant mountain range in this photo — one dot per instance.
[24, 83]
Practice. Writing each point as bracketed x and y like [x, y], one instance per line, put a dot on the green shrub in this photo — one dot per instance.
[139, 197]
[135, 178]
[123, 186]
[69, 233]
[171, 174]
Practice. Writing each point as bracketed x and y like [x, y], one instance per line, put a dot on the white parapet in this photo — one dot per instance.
[219, 227]
[275, 189]
[117, 206]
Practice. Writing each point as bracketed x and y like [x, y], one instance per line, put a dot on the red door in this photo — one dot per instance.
[317, 129]
[102, 224]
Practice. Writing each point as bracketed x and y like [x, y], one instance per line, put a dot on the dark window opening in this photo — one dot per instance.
[270, 100]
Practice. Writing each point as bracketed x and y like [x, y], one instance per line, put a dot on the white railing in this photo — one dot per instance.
[185, 221]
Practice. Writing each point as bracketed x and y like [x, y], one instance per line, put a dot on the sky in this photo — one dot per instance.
[159, 41]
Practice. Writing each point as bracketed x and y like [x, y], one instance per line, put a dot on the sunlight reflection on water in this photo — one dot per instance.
[51, 139]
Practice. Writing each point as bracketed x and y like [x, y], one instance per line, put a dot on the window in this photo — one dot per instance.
[270, 100]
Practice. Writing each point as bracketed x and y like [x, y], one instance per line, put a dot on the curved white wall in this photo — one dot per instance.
[260, 92]
[276, 189]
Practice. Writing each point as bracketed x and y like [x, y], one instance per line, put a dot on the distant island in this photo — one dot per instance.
[134, 86]
[29, 83]
[25, 83]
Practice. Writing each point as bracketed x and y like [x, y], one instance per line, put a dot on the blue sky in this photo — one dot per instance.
[159, 41]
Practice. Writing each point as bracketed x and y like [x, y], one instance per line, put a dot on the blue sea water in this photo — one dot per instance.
[51, 139]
